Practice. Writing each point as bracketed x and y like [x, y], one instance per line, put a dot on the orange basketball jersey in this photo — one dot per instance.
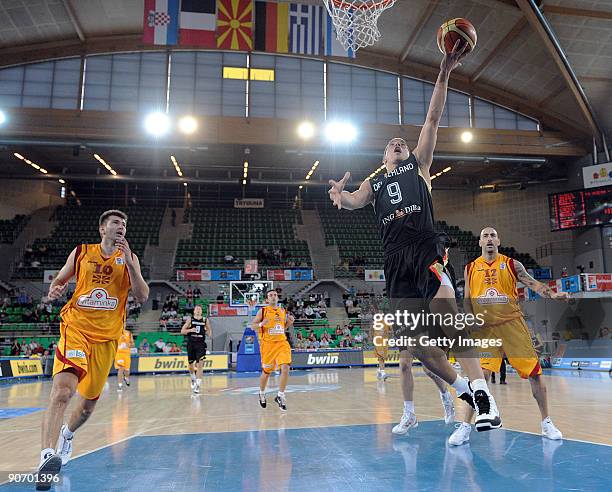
[125, 342]
[98, 306]
[493, 289]
[273, 329]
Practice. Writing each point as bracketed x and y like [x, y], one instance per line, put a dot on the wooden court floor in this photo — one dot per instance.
[325, 398]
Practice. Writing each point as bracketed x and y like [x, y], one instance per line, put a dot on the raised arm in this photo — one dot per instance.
[538, 287]
[60, 282]
[429, 133]
[350, 201]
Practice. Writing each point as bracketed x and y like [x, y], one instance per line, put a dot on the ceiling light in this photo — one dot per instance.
[157, 124]
[188, 125]
[2, 118]
[466, 137]
[306, 130]
[340, 132]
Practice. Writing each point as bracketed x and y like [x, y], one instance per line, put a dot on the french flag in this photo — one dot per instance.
[198, 24]
[161, 22]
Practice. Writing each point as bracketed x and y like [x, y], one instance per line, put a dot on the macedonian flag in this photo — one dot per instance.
[235, 24]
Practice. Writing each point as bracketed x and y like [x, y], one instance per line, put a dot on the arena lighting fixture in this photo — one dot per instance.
[61, 181]
[301, 187]
[185, 183]
[2, 117]
[157, 124]
[466, 137]
[107, 166]
[28, 161]
[306, 130]
[376, 172]
[340, 132]
[176, 166]
[312, 170]
[445, 170]
[188, 125]
[245, 172]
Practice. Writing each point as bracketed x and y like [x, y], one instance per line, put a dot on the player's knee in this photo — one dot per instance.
[61, 395]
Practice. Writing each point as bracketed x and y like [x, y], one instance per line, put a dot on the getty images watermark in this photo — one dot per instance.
[409, 321]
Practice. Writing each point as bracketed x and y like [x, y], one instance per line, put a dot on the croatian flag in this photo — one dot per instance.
[161, 22]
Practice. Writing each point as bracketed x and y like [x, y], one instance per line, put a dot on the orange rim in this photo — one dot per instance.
[341, 4]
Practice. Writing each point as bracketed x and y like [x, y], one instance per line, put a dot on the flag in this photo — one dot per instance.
[198, 23]
[305, 29]
[161, 21]
[235, 24]
[272, 27]
[333, 47]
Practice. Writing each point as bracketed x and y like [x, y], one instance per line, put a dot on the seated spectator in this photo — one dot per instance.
[309, 312]
[338, 332]
[167, 348]
[324, 342]
[346, 331]
[358, 338]
[174, 349]
[316, 344]
[15, 347]
[159, 346]
[144, 348]
[189, 292]
[197, 292]
[312, 337]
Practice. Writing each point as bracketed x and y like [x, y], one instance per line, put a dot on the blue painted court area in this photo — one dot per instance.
[11, 413]
[352, 458]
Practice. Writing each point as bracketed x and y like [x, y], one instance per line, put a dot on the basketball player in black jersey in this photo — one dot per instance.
[416, 256]
[195, 329]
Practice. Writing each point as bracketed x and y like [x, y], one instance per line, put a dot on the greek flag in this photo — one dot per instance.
[305, 29]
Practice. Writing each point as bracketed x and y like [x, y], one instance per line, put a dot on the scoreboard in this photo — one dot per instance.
[580, 208]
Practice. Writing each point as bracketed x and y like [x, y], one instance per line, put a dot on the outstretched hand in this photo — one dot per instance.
[335, 192]
[452, 60]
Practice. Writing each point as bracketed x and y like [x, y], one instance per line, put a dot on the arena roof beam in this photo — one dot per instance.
[552, 95]
[540, 25]
[570, 11]
[73, 19]
[502, 45]
[431, 6]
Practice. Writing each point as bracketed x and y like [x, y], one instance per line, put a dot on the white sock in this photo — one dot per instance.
[480, 384]
[281, 394]
[67, 433]
[193, 378]
[120, 385]
[198, 381]
[461, 385]
[547, 420]
[408, 407]
[45, 453]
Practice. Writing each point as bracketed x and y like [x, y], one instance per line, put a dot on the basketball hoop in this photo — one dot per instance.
[356, 21]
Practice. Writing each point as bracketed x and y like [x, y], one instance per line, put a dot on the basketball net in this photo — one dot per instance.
[252, 303]
[356, 21]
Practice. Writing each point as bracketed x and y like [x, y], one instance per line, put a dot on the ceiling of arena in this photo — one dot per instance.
[511, 59]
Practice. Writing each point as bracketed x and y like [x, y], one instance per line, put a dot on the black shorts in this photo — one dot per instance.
[196, 352]
[413, 276]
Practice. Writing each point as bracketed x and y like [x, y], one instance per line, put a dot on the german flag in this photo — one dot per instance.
[272, 27]
[235, 24]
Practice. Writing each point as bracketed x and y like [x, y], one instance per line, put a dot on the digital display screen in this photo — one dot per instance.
[580, 208]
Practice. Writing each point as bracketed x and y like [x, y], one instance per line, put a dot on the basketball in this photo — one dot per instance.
[455, 29]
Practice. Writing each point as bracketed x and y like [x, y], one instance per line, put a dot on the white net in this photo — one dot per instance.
[356, 21]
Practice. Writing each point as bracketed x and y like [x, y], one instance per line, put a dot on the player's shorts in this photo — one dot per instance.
[123, 359]
[274, 354]
[381, 351]
[91, 361]
[196, 352]
[413, 275]
[516, 344]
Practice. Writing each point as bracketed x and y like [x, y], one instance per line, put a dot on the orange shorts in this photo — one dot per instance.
[91, 361]
[516, 344]
[123, 359]
[273, 354]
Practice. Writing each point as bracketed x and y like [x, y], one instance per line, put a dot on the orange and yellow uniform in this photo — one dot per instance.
[123, 357]
[381, 349]
[494, 297]
[92, 320]
[273, 344]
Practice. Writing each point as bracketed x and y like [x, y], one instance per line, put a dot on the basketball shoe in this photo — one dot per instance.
[461, 434]
[407, 422]
[64, 445]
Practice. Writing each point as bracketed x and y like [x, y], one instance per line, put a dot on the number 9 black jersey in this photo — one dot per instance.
[403, 206]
